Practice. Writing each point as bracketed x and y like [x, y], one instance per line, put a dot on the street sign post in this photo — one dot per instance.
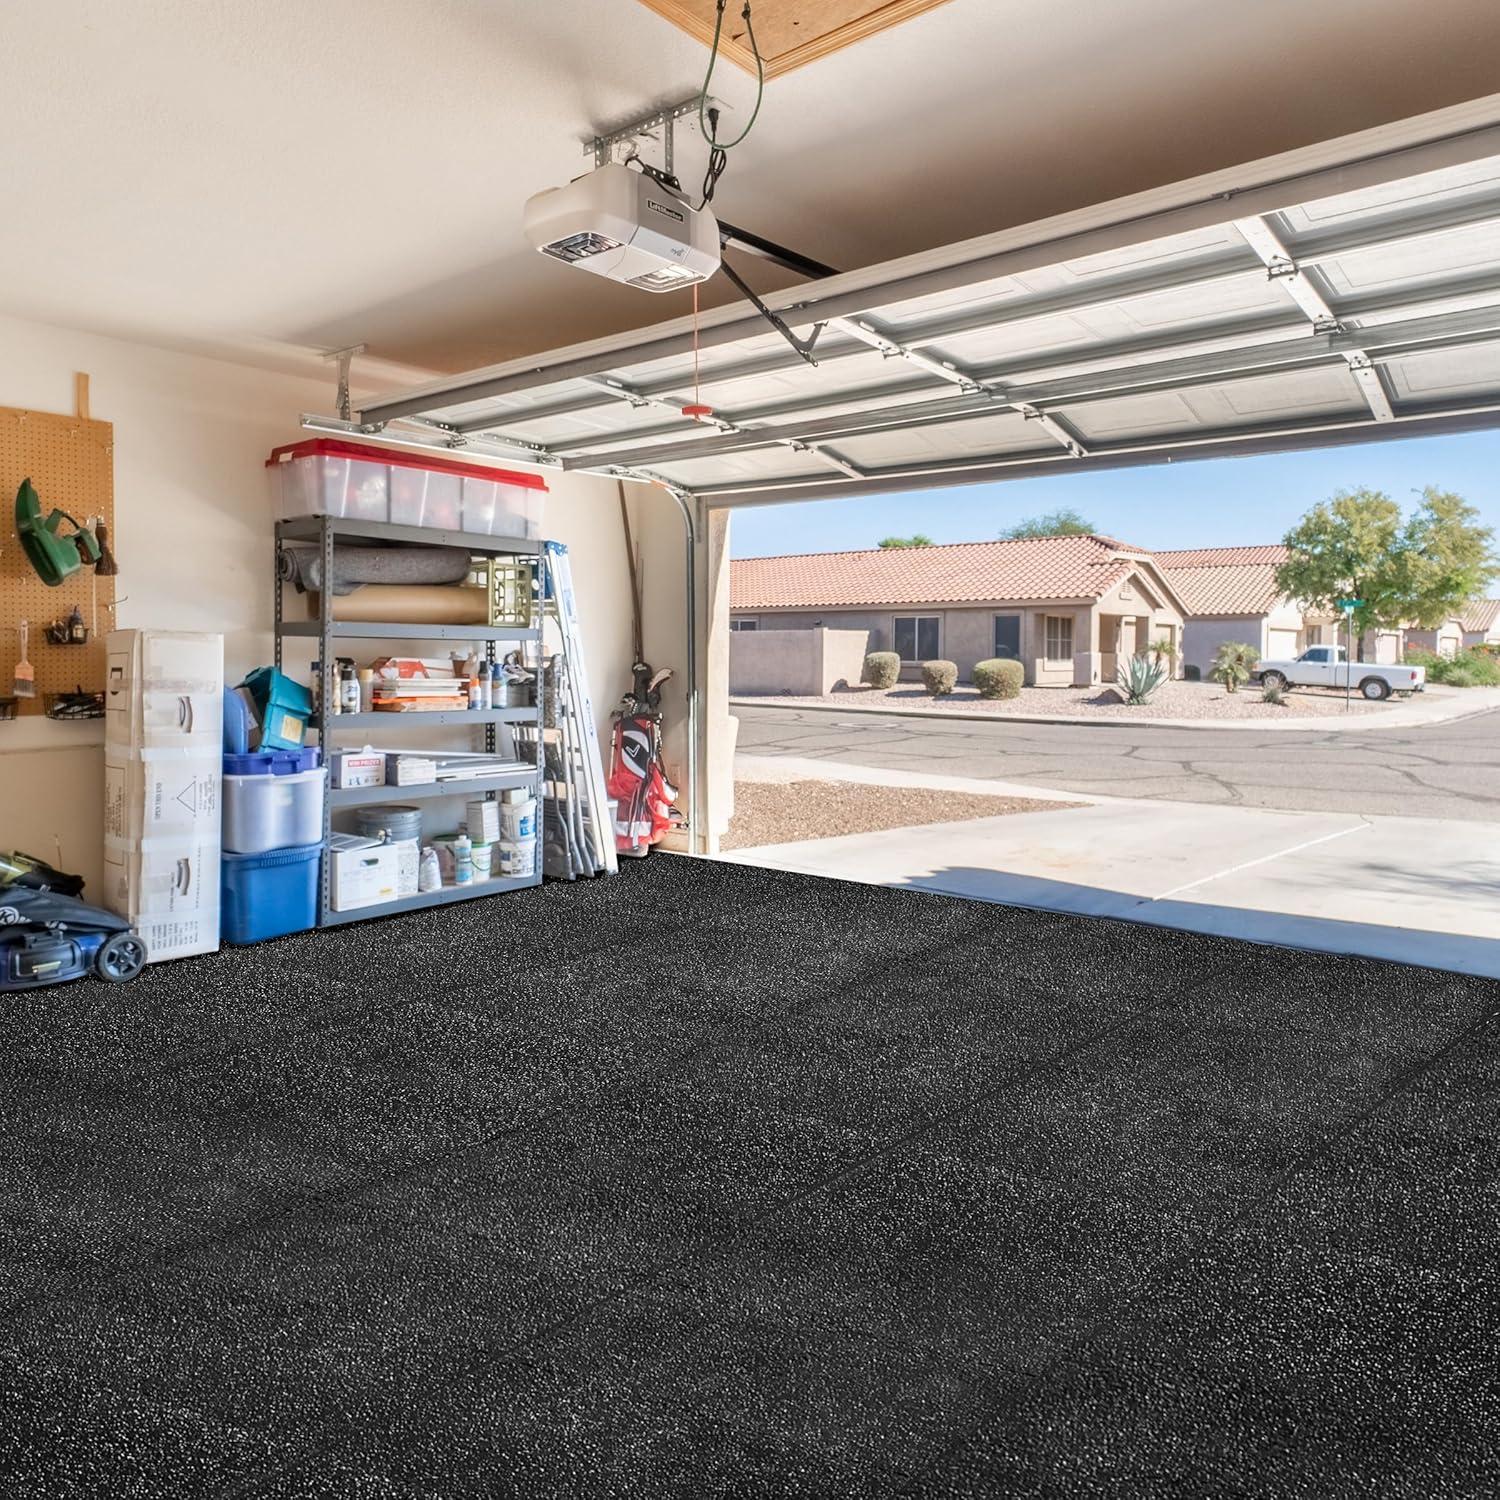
[1348, 606]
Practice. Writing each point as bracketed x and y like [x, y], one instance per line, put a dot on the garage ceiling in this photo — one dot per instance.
[245, 177]
[1270, 316]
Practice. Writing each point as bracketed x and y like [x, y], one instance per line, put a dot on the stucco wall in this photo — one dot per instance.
[191, 436]
[806, 663]
[1202, 635]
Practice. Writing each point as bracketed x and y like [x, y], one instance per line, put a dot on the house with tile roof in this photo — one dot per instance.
[1068, 608]
[1231, 595]
[1482, 623]
[1477, 625]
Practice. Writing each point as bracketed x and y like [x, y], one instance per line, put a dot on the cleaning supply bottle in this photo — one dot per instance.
[463, 860]
[486, 689]
[429, 872]
[476, 693]
[348, 689]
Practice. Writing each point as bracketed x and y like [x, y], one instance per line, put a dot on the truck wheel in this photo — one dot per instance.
[1375, 689]
[1273, 680]
[121, 957]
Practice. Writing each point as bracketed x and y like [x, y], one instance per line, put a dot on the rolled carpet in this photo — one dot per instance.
[353, 567]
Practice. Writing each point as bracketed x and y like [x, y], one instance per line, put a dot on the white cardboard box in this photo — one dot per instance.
[169, 890]
[357, 768]
[161, 793]
[161, 876]
[363, 872]
[164, 688]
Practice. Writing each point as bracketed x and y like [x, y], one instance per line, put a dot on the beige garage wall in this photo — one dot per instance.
[193, 521]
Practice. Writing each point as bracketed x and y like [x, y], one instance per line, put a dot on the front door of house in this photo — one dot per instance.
[1008, 637]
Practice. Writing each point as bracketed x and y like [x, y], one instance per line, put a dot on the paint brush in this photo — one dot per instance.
[24, 684]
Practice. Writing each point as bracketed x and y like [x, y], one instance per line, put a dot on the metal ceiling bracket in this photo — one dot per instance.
[344, 358]
[1055, 428]
[658, 125]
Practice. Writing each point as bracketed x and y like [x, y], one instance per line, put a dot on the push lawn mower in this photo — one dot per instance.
[46, 938]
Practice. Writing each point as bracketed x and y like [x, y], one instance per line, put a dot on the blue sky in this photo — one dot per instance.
[1214, 503]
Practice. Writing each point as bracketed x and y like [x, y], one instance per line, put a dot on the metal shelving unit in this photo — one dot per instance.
[323, 532]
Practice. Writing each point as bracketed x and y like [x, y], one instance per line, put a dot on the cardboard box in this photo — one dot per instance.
[357, 768]
[408, 864]
[168, 889]
[362, 872]
[161, 793]
[164, 688]
[409, 770]
[179, 936]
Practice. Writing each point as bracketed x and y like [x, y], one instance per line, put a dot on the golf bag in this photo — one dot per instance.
[637, 776]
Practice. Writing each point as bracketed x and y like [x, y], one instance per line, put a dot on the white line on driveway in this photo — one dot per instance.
[1265, 859]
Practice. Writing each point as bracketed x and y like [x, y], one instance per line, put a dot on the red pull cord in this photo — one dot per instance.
[696, 410]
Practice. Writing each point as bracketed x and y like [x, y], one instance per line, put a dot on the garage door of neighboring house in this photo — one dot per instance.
[1281, 643]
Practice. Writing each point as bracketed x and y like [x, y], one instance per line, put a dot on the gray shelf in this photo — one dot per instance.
[323, 532]
[309, 529]
[388, 631]
[496, 885]
[364, 796]
[476, 718]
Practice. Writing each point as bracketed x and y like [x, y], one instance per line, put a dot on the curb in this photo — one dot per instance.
[1303, 726]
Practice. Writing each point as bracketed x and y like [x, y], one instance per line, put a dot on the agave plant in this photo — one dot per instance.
[1140, 676]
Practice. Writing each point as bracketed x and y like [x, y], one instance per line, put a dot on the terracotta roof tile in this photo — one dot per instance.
[1225, 580]
[1482, 614]
[1059, 567]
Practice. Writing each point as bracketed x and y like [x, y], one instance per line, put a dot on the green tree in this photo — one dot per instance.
[1064, 522]
[918, 539]
[1414, 571]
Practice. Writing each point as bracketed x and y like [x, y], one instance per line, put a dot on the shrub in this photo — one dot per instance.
[1234, 661]
[1273, 692]
[939, 677]
[1471, 668]
[882, 669]
[999, 678]
[1140, 676]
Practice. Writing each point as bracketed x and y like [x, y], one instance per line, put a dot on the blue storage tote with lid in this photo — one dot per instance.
[269, 895]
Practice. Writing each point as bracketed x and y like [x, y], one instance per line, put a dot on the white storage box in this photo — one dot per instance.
[360, 481]
[168, 889]
[273, 812]
[164, 688]
[357, 768]
[159, 793]
[362, 872]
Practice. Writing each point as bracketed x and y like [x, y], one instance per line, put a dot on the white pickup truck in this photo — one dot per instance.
[1329, 667]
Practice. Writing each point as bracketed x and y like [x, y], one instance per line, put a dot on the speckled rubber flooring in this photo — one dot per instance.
[713, 1180]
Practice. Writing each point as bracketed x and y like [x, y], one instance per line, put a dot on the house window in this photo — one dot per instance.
[1059, 637]
[1008, 637]
[916, 637]
[744, 624]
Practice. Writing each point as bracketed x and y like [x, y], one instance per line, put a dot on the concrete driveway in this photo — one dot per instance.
[1415, 890]
[1449, 770]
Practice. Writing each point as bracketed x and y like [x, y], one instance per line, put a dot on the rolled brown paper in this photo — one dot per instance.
[409, 604]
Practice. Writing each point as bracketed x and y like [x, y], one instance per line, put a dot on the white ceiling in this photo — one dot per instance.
[221, 174]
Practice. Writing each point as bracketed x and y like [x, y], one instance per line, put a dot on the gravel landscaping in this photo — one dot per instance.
[1173, 700]
[788, 812]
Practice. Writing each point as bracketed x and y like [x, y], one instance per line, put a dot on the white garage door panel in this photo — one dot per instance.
[1281, 644]
[987, 360]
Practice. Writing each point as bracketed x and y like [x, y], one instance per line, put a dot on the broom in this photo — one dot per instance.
[24, 684]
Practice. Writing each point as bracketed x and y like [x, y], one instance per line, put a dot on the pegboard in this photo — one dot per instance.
[70, 460]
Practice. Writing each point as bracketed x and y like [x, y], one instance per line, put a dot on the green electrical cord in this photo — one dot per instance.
[704, 114]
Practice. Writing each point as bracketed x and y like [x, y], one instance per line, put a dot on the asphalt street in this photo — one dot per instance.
[1448, 770]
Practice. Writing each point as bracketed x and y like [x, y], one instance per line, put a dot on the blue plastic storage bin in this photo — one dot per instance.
[273, 762]
[269, 895]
